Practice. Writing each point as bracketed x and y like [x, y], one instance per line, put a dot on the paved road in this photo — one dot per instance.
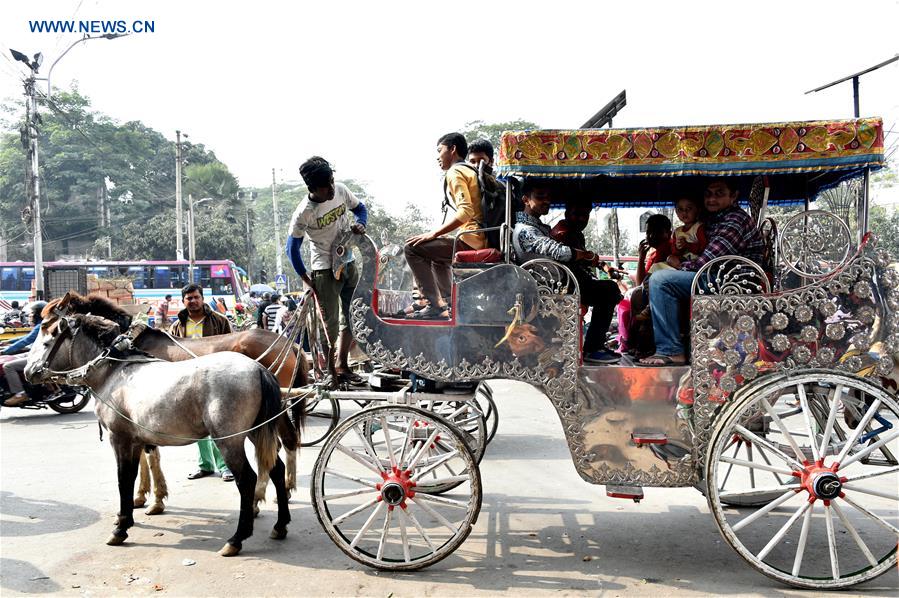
[541, 530]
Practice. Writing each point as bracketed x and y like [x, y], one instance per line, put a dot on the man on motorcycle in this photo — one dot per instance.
[13, 369]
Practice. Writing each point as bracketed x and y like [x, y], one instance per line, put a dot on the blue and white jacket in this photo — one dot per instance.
[531, 240]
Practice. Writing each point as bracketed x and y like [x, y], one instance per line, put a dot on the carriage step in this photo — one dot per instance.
[634, 493]
[648, 437]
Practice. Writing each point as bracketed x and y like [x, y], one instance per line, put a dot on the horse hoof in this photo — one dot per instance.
[139, 502]
[116, 539]
[155, 509]
[256, 511]
[229, 550]
[278, 534]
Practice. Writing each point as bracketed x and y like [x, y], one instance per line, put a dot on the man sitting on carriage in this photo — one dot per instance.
[730, 231]
[531, 239]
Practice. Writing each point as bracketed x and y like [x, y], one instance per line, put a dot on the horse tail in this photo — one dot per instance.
[265, 438]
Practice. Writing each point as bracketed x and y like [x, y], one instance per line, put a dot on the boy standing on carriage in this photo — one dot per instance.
[197, 320]
[322, 216]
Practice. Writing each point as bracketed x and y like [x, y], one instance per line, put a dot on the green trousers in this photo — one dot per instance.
[210, 457]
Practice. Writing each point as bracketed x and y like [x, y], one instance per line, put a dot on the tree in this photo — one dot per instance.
[884, 222]
[492, 132]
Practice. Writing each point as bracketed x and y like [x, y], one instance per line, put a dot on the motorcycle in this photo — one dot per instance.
[61, 399]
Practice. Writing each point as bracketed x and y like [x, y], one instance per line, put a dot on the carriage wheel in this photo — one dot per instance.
[322, 415]
[824, 446]
[484, 397]
[372, 491]
[466, 418]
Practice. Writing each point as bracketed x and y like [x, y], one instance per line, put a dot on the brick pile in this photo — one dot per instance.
[118, 290]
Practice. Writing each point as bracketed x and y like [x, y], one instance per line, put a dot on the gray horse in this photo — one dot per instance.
[144, 402]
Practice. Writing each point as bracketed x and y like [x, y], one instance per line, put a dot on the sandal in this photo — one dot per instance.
[432, 313]
[200, 473]
[351, 378]
[666, 361]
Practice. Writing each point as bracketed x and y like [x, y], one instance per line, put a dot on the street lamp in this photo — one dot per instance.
[191, 235]
[83, 39]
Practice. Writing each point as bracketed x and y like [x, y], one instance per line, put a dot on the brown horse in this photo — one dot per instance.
[271, 350]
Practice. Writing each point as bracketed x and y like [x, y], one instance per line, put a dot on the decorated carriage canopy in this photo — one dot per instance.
[649, 167]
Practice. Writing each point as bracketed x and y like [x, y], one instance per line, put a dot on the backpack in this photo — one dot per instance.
[493, 203]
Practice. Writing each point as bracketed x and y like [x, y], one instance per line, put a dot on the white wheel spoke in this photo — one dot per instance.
[871, 515]
[831, 543]
[418, 527]
[762, 442]
[384, 531]
[359, 459]
[406, 442]
[873, 474]
[852, 532]
[730, 467]
[369, 449]
[764, 510]
[434, 465]
[751, 471]
[430, 511]
[783, 430]
[855, 488]
[348, 493]
[755, 492]
[835, 401]
[803, 539]
[358, 509]
[869, 449]
[783, 531]
[807, 415]
[768, 461]
[367, 524]
[858, 430]
[404, 537]
[351, 478]
[442, 500]
[761, 466]
[387, 439]
[423, 450]
[441, 481]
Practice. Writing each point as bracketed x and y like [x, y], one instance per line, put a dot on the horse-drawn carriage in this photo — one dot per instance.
[781, 418]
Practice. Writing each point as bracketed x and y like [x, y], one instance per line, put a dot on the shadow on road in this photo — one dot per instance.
[39, 418]
[30, 517]
[24, 577]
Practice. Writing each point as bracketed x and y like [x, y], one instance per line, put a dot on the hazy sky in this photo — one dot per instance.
[372, 85]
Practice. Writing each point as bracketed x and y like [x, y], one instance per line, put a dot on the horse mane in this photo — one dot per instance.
[90, 304]
[100, 329]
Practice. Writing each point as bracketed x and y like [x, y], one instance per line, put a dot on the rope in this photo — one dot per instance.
[176, 437]
[174, 340]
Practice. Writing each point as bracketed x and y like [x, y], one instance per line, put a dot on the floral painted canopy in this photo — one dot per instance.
[641, 167]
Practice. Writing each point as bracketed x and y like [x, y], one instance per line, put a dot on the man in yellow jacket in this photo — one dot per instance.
[430, 255]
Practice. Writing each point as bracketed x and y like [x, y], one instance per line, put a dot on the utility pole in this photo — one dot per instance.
[31, 119]
[279, 265]
[191, 247]
[179, 226]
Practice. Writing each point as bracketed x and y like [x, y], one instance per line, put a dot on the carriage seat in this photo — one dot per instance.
[473, 258]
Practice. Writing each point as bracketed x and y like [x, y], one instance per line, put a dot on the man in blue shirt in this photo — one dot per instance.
[13, 369]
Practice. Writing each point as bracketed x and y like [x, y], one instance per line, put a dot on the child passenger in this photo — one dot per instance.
[688, 241]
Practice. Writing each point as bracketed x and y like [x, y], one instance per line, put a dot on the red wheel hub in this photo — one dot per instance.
[396, 487]
[820, 481]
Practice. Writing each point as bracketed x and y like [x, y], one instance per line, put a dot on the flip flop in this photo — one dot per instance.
[351, 378]
[667, 362]
[200, 473]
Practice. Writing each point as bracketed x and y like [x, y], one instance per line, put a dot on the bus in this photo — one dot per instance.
[152, 280]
